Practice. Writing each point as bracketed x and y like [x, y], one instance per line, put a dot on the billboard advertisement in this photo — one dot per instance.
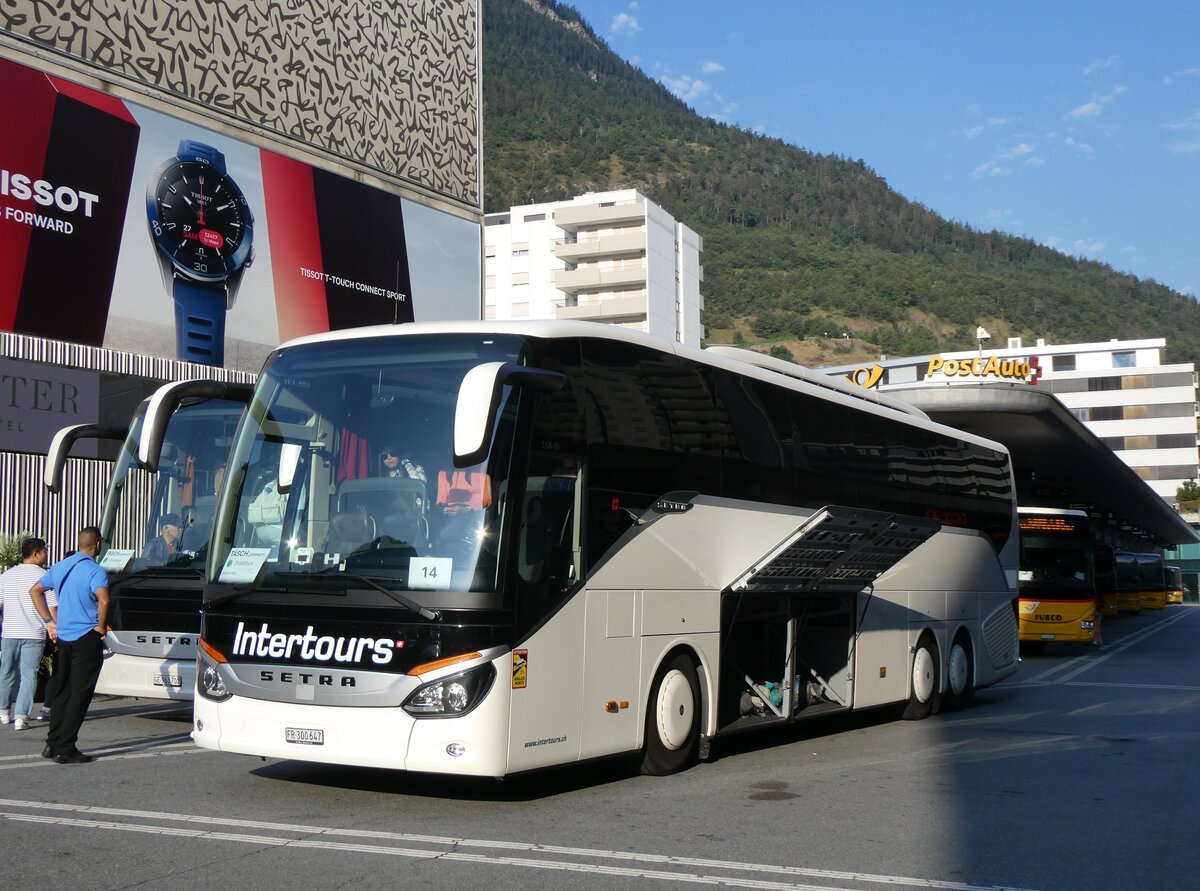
[127, 228]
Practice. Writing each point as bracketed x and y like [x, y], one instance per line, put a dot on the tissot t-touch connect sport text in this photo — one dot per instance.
[203, 233]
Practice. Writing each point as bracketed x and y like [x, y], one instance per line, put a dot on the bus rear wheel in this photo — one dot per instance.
[960, 675]
[925, 680]
[672, 718]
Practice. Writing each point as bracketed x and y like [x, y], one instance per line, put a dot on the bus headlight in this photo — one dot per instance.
[209, 683]
[451, 696]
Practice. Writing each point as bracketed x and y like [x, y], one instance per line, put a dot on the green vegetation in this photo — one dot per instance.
[790, 237]
[1188, 496]
[10, 550]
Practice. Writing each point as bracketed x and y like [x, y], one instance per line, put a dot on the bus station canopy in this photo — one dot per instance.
[1057, 461]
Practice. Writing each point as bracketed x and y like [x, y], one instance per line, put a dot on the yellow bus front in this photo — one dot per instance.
[1068, 621]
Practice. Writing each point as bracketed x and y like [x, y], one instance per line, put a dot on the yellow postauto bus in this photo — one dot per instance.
[1057, 577]
[1174, 584]
[1105, 561]
[1129, 596]
[1152, 584]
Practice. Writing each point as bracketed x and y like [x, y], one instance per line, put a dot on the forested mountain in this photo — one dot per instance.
[796, 244]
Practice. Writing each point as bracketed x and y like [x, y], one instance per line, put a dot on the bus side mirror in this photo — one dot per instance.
[60, 449]
[166, 400]
[479, 397]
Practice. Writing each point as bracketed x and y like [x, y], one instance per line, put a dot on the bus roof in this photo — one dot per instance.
[787, 374]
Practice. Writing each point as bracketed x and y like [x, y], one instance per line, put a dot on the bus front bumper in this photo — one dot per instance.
[147, 677]
[475, 744]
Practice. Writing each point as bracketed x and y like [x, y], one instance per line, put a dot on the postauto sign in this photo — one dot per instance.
[1026, 370]
[992, 367]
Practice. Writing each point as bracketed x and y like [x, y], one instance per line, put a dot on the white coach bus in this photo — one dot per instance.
[600, 543]
[156, 575]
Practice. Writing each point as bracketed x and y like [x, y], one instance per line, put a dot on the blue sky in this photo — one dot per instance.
[1076, 124]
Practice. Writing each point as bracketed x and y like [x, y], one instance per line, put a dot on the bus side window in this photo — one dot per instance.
[548, 545]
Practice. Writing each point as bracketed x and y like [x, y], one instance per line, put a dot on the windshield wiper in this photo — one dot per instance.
[233, 595]
[424, 612]
[149, 573]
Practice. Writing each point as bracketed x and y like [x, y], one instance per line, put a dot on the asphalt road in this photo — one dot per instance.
[1079, 773]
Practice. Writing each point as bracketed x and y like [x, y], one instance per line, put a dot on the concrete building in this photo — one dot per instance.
[1143, 410]
[344, 140]
[614, 257]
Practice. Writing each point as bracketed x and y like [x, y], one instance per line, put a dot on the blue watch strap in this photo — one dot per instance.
[199, 322]
[192, 148]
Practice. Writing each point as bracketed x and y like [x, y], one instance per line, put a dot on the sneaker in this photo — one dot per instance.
[19, 724]
[76, 757]
[4, 719]
[43, 715]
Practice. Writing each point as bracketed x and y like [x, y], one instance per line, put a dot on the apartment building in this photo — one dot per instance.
[613, 257]
[1143, 410]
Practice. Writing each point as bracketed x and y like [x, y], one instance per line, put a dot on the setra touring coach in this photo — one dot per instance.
[600, 543]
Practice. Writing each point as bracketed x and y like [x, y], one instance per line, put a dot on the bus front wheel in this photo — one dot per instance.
[672, 718]
[925, 679]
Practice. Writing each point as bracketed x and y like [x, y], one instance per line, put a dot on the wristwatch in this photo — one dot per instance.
[203, 232]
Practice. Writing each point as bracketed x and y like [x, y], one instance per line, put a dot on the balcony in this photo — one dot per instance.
[579, 281]
[629, 245]
[620, 309]
[592, 216]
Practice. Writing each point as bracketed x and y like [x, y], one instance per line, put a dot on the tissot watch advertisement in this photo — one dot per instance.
[127, 228]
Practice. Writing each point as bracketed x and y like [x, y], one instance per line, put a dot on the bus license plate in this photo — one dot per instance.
[168, 680]
[304, 736]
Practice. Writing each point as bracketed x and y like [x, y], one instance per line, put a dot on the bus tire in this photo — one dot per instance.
[925, 679]
[672, 718]
[960, 674]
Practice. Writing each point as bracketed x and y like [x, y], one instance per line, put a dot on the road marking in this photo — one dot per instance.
[17, 762]
[1133, 686]
[1073, 667]
[456, 854]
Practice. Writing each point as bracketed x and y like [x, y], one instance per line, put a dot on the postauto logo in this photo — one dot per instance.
[311, 647]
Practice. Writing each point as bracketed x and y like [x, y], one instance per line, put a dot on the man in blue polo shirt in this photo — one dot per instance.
[82, 588]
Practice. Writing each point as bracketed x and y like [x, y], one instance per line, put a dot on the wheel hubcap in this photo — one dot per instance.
[676, 706]
[959, 669]
[923, 672]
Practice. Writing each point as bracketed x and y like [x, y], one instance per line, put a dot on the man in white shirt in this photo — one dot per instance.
[24, 636]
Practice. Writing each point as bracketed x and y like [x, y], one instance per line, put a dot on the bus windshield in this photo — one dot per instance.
[344, 479]
[158, 523]
[1055, 558]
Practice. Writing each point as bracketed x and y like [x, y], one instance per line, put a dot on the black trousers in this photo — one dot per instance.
[79, 664]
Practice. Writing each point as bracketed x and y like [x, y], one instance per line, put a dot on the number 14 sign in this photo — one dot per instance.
[430, 573]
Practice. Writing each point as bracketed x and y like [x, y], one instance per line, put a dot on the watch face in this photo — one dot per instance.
[199, 218]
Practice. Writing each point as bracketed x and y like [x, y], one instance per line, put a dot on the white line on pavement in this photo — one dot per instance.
[458, 855]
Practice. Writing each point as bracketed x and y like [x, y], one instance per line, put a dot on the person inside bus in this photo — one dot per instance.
[162, 548]
[398, 463]
[461, 497]
[266, 510]
[459, 491]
